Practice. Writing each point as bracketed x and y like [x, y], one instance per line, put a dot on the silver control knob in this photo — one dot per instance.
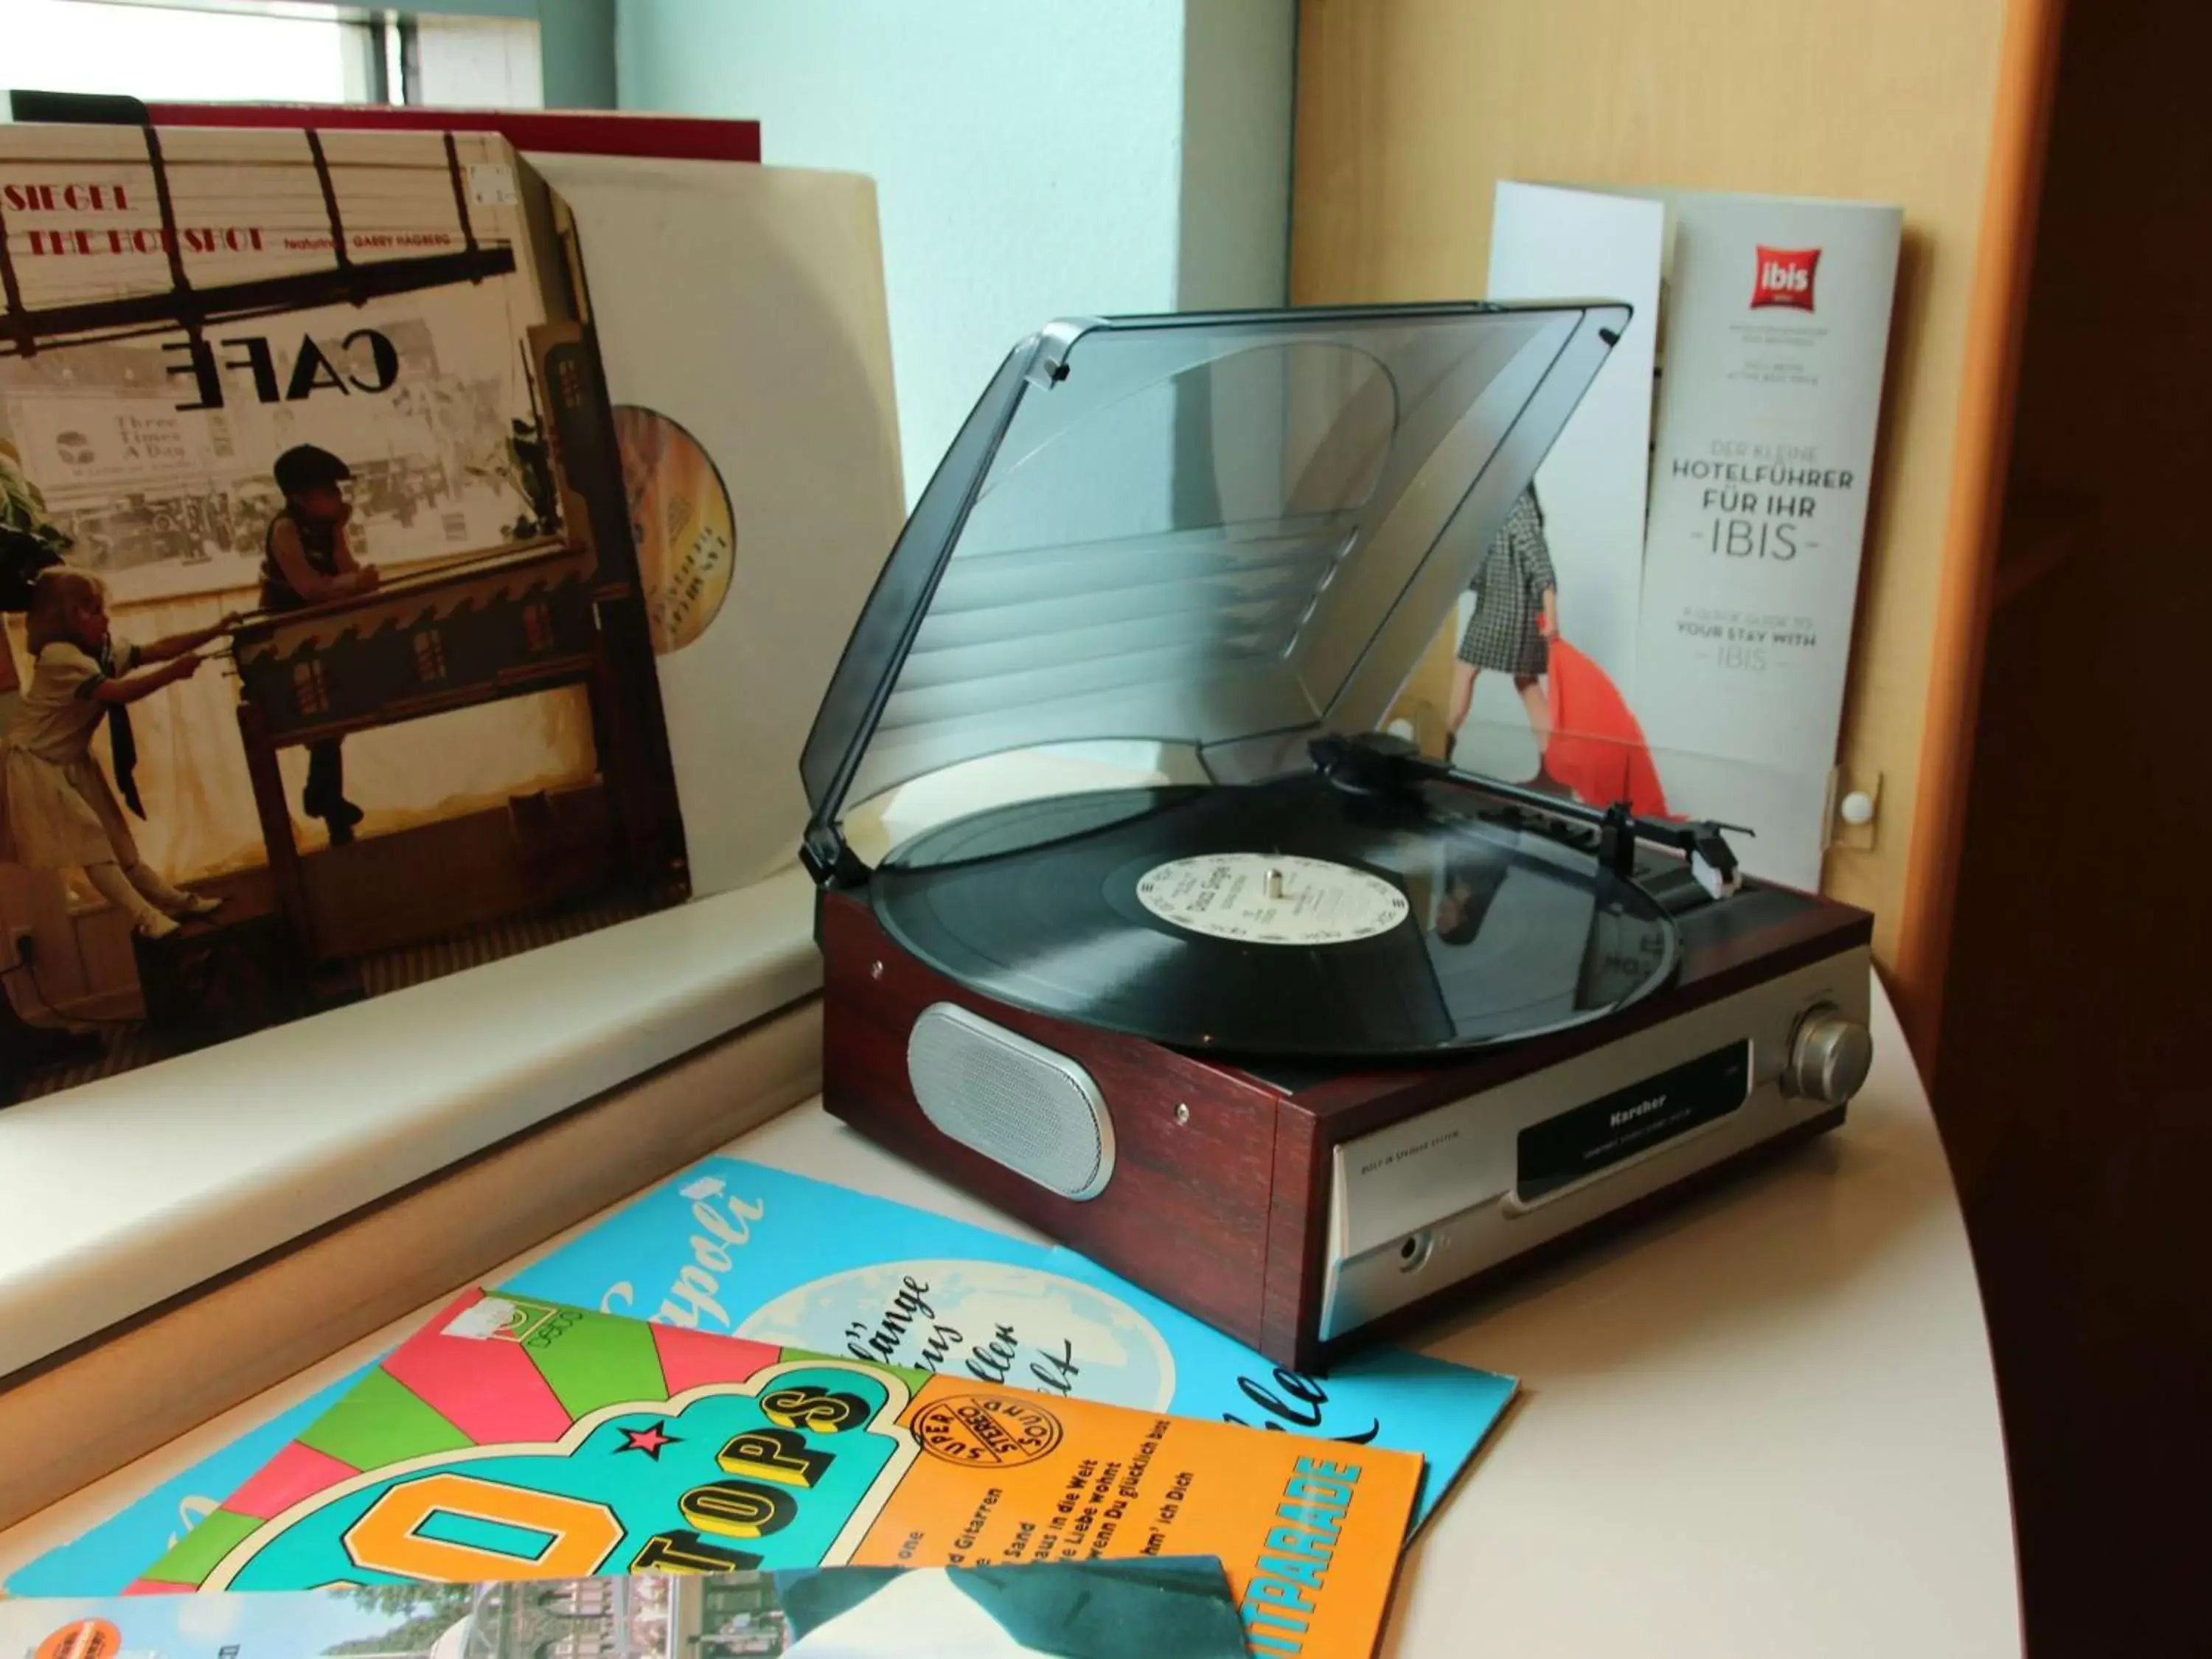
[1829, 1053]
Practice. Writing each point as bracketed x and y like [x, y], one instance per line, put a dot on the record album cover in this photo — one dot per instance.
[741, 314]
[332, 671]
[737, 1248]
[517, 1438]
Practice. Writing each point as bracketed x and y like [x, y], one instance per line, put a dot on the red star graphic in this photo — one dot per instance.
[648, 1441]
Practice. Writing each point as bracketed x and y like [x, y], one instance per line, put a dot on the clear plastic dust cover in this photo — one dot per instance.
[1222, 534]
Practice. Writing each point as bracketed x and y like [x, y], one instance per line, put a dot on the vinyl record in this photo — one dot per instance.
[681, 522]
[1279, 920]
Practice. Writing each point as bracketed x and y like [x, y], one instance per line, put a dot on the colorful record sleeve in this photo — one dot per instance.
[515, 1438]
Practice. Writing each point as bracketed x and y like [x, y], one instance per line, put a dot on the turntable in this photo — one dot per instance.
[1305, 1031]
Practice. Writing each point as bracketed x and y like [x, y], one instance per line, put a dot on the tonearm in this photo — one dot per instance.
[1377, 763]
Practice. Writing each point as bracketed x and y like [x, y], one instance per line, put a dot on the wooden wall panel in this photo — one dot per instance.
[1409, 110]
[2072, 1037]
[1976, 573]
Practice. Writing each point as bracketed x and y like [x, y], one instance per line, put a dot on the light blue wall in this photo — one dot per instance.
[1033, 158]
[576, 39]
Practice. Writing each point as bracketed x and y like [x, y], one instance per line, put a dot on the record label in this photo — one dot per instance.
[1272, 899]
[681, 523]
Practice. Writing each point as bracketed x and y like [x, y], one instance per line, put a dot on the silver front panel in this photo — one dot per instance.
[1425, 1202]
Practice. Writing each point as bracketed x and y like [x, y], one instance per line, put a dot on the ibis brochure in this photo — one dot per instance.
[513, 1437]
[1087, 1609]
[743, 1249]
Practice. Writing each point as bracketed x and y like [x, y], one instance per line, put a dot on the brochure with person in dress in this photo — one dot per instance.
[1666, 619]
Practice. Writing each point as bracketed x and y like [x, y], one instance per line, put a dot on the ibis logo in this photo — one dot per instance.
[1785, 277]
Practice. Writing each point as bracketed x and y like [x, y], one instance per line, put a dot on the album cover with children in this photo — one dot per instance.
[328, 663]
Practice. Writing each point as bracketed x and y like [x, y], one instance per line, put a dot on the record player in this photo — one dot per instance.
[1302, 1031]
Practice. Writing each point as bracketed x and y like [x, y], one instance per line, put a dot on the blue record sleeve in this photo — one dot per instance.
[742, 1249]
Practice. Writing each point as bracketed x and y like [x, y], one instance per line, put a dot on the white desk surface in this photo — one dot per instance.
[1764, 1425]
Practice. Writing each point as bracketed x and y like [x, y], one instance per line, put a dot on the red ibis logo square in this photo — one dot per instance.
[1785, 277]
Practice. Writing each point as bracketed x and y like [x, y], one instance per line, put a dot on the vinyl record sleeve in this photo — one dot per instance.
[743, 305]
[512, 1437]
[815, 1260]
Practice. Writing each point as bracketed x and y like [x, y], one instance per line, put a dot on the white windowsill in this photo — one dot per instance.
[117, 1195]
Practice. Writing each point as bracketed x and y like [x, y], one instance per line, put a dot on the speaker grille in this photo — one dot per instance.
[1014, 1101]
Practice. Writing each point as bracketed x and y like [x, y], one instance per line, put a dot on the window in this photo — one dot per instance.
[280, 53]
[182, 54]
[480, 62]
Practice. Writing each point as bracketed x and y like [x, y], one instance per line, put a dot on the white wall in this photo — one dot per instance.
[1034, 158]
[480, 62]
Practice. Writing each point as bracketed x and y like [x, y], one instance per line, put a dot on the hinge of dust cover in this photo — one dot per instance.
[828, 859]
[1049, 367]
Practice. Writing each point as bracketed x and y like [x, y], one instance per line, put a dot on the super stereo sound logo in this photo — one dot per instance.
[1785, 277]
